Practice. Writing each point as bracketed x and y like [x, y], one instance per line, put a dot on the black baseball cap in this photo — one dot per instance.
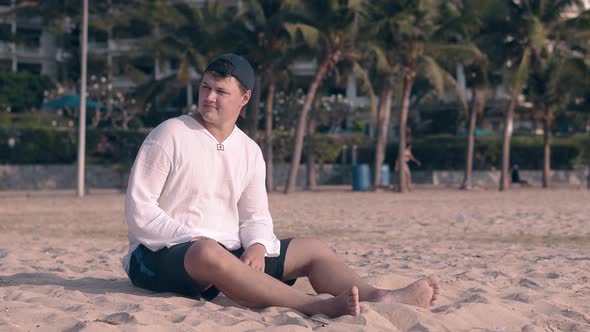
[230, 64]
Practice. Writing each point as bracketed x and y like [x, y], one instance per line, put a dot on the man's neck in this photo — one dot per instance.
[220, 134]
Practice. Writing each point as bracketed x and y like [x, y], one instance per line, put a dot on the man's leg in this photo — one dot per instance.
[208, 263]
[328, 274]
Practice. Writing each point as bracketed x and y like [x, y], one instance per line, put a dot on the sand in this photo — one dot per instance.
[514, 261]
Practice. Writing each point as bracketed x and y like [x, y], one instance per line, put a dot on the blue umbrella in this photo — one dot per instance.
[73, 101]
[478, 132]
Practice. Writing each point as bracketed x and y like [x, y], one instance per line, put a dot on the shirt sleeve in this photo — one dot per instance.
[255, 221]
[147, 222]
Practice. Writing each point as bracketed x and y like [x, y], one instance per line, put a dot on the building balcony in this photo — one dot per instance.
[97, 47]
[304, 68]
[124, 45]
[123, 83]
[29, 51]
[5, 48]
[115, 46]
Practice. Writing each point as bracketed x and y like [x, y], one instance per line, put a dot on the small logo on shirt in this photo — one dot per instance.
[219, 147]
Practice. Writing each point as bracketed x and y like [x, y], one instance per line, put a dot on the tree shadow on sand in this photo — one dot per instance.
[92, 285]
[88, 285]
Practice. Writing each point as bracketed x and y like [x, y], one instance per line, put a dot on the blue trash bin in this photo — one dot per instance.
[385, 176]
[361, 177]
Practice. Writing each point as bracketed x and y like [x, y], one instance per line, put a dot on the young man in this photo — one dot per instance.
[198, 218]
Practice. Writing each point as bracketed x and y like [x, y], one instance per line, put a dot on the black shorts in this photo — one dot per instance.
[163, 270]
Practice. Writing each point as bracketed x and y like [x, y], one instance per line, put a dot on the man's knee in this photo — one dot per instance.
[315, 247]
[203, 255]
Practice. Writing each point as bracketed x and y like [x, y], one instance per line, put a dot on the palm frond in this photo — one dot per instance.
[441, 79]
[379, 54]
[433, 73]
[309, 34]
[367, 87]
[522, 73]
[535, 32]
[455, 53]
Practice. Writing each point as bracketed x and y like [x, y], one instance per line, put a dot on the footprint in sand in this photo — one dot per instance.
[519, 297]
[528, 283]
[118, 318]
[577, 316]
[176, 318]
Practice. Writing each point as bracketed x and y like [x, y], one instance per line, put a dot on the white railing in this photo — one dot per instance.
[5, 47]
[124, 45]
[28, 51]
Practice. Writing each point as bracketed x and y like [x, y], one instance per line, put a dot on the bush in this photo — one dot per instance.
[22, 90]
[37, 146]
[327, 147]
[583, 143]
[440, 152]
[53, 146]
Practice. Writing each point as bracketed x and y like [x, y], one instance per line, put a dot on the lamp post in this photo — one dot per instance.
[82, 123]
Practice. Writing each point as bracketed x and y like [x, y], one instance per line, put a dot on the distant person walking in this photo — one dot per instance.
[405, 167]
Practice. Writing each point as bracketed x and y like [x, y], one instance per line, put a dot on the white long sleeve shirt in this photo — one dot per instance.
[182, 185]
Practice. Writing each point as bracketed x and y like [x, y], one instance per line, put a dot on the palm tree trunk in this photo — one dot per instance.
[302, 121]
[96, 118]
[254, 107]
[467, 183]
[547, 149]
[383, 129]
[189, 94]
[403, 120]
[508, 120]
[311, 173]
[109, 111]
[124, 121]
[268, 134]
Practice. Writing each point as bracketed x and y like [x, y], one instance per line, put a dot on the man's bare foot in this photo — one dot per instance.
[346, 303]
[421, 293]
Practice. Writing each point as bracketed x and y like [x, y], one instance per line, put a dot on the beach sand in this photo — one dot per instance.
[513, 261]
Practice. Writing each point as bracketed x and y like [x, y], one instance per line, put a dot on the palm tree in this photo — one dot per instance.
[535, 23]
[174, 29]
[265, 40]
[480, 22]
[547, 94]
[556, 71]
[330, 27]
[412, 37]
[479, 95]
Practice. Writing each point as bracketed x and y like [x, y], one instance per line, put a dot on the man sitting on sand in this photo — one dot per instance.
[198, 218]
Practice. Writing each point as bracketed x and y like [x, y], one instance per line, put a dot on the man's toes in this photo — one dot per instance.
[433, 281]
[353, 301]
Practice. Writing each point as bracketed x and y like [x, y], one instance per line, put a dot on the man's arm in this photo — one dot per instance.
[255, 221]
[147, 222]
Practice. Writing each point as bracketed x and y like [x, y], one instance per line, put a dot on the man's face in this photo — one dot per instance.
[221, 100]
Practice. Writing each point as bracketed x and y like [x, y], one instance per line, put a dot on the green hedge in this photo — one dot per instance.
[51, 146]
[22, 90]
[448, 152]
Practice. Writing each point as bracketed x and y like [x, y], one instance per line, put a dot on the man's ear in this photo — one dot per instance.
[246, 97]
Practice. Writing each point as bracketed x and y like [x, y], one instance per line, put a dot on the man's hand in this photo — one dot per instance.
[254, 256]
